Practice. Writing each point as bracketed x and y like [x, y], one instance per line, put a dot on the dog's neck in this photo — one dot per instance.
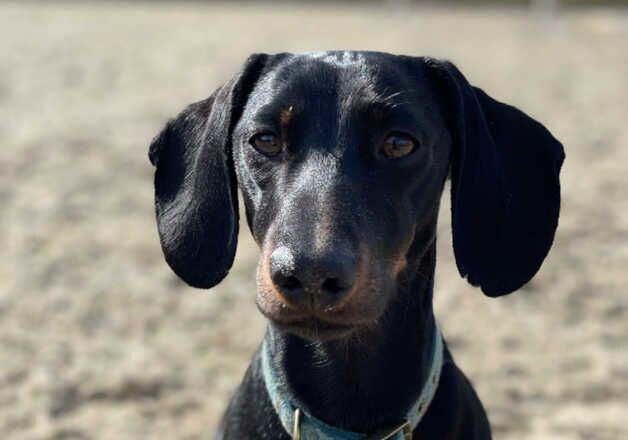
[369, 380]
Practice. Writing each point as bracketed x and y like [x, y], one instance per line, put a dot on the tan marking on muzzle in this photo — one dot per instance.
[268, 296]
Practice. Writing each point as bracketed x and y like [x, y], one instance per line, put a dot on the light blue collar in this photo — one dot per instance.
[304, 426]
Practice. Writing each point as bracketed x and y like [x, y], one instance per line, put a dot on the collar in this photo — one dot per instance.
[304, 426]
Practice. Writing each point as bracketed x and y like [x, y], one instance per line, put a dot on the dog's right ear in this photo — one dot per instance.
[505, 186]
[195, 185]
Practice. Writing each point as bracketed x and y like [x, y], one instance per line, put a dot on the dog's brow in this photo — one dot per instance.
[392, 100]
[386, 107]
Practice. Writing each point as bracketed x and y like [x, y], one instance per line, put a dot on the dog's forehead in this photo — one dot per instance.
[338, 76]
[339, 58]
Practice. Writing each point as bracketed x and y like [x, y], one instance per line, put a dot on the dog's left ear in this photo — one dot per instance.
[505, 189]
[195, 184]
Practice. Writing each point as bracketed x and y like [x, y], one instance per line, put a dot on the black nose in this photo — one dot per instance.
[312, 280]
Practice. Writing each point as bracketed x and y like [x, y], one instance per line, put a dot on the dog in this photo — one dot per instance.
[341, 158]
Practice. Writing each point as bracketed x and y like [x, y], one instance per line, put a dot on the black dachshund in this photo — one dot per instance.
[341, 158]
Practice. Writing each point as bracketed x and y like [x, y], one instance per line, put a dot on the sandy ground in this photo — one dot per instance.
[99, 340]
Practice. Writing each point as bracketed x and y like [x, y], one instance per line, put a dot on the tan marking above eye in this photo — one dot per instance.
[399, 264]
[286, 115]
[398, 145]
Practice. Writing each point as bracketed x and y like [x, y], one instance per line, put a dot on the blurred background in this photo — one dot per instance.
[98, 338]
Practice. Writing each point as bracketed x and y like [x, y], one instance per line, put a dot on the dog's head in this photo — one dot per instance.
[341, 158]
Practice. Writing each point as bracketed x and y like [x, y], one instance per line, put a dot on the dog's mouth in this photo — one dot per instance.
[316, 329]
[360, 312]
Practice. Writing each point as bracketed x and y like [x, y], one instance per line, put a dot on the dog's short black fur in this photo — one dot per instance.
[341, 158]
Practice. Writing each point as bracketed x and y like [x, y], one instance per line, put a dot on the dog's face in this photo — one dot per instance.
[341, 158]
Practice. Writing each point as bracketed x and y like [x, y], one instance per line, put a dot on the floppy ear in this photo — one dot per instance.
[505, 189]
[195, 184]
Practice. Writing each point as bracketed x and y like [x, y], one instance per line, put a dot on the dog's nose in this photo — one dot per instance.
[313, 281]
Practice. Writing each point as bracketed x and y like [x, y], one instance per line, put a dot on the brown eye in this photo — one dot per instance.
[266, 143]
[398, 145]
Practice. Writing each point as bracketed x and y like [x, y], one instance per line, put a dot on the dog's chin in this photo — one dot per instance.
[320, 326]
[314, 329]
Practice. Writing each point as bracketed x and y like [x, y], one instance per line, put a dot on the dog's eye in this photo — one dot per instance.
[398, 145]
[266, 143]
